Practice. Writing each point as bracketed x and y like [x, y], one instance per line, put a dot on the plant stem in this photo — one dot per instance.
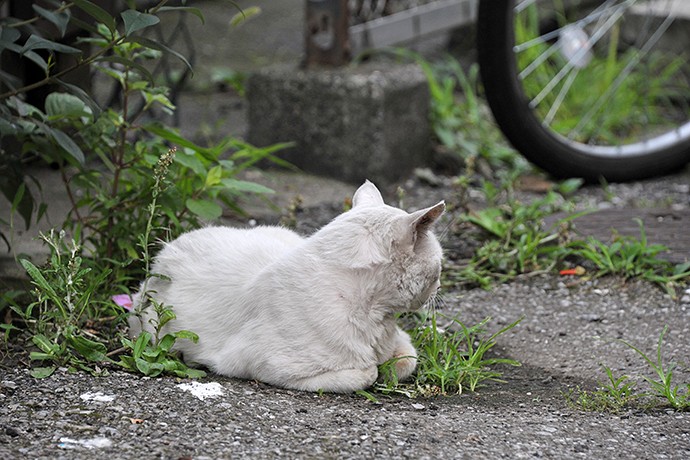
[26, 22]
[52, 78]
[70, 195]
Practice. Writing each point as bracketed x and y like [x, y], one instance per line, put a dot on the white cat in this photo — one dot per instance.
[312, 313]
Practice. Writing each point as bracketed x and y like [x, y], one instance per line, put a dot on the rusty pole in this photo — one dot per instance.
[327, 37]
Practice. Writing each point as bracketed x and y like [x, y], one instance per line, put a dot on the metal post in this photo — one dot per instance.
[327, 38]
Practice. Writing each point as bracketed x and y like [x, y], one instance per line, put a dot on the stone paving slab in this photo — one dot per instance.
[667, 227]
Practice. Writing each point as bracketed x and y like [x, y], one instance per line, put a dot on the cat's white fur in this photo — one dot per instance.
[312, 313]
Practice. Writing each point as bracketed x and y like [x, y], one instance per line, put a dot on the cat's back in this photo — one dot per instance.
[223, 249]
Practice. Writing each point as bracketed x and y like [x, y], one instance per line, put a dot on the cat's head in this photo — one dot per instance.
[395, 251]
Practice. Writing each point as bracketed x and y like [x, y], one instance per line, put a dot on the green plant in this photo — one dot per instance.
[517, 242]
[112, 206]
[118, 206]
[620, 393]
[63, 293]
[39, 127]
[110, 185]
[448, 361]
[614, 396]
[630, 258]
[459, 117]
[68, 294]
[151, 354]
[663, 386]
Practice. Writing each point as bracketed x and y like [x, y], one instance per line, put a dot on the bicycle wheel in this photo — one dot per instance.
[589, 89]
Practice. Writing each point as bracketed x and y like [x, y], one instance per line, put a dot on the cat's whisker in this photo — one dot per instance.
[443, 234]
[435, 303]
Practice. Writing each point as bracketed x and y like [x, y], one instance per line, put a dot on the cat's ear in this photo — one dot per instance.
[367, 195]
[422, 220]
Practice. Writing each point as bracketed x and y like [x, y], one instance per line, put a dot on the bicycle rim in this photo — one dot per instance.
[606, 79]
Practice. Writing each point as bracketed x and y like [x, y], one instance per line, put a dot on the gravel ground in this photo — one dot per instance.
[569, 330]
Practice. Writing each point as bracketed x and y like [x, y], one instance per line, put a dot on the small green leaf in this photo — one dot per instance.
[148, 43]
[245, 186]
[195, 373]
[143, 366]
[184, 334]
[40, 356]
[89, 349]
[166, 342]
[140, 345]
[42, 342]
[367, 395]
[67, 144]
[165, 317]
[569, 186]
[40, 281]
[127, 362]
[213, 176]
[30, 55]
[171, 365]
[147, 368]
[42, 372]
[136, 20]
[190, 373]
[490, 219]
[81, 94]
[128, 63]
[59, 19]
[190, 161]
[96, 12]
[65, 105]
[8, 36]
[11, 185]
[682, 268]
[244, 15]
[175, 138]
[152, 355]
[7, 128]
[18, 197]
[207, 210]
[34, 42]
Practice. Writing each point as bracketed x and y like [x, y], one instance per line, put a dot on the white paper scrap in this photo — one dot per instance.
[202, 390]
[97, 396]
[94, 443]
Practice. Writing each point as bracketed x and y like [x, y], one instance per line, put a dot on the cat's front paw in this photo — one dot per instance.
[405, 366]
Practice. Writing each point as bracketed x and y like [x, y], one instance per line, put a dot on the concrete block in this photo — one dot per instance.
[352, 123]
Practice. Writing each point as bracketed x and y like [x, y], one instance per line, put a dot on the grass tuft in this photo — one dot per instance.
[450, 360]
[620, 393]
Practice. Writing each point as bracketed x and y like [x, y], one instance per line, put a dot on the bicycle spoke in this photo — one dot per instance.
[548, 119]
[622, 76]
[551, 50]
[599, 33]
[601, 11]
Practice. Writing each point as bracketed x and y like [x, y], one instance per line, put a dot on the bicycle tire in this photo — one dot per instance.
[557, 155]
